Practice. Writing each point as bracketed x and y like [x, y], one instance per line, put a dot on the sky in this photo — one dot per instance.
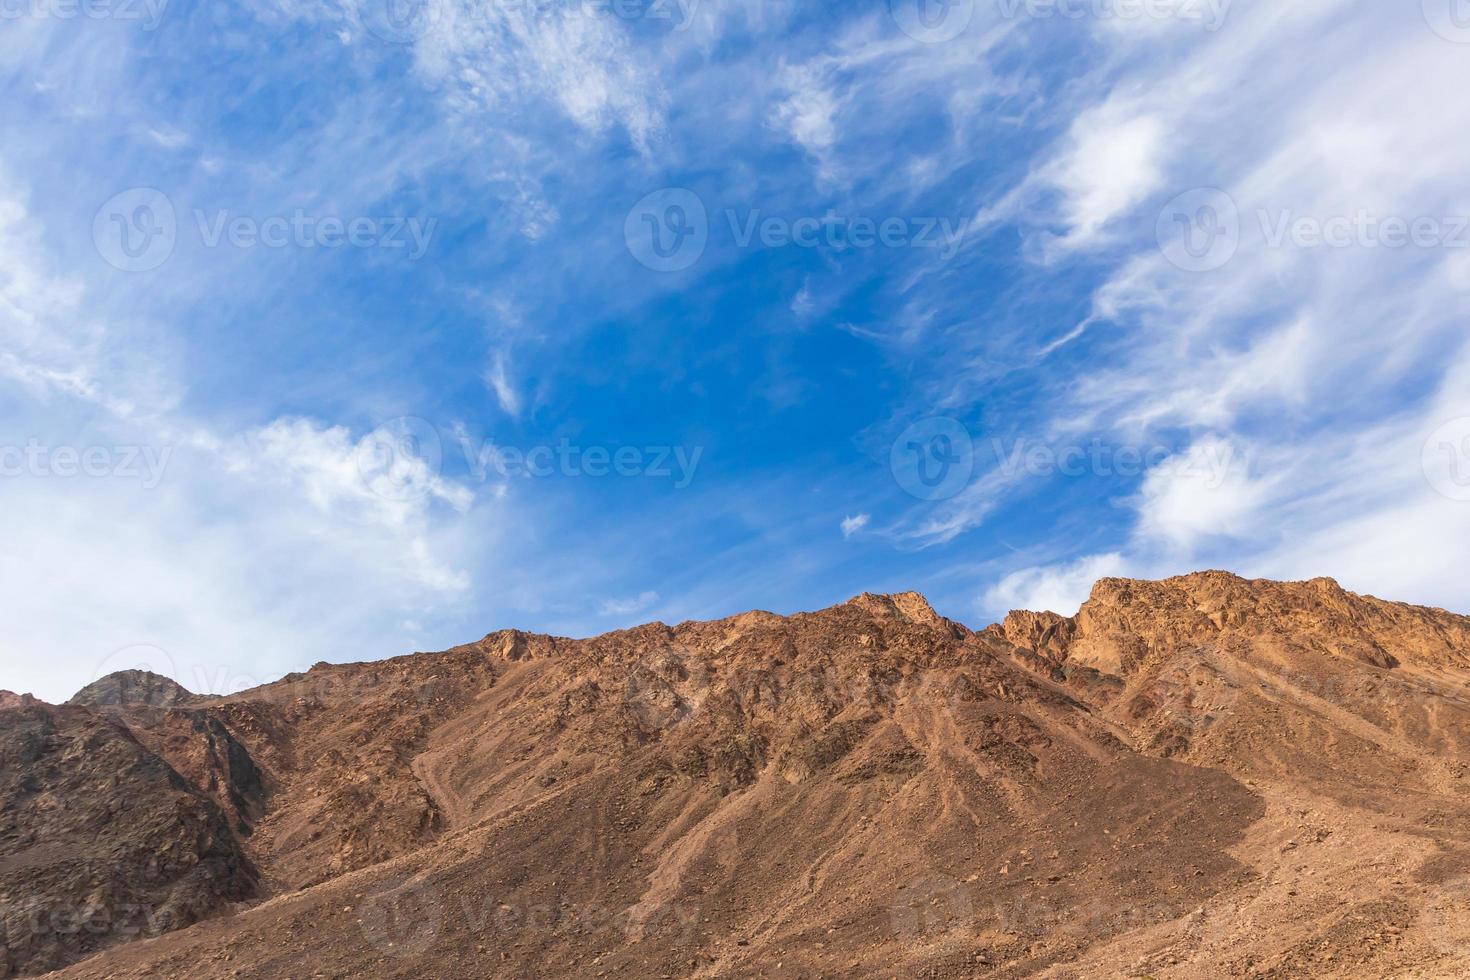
[332, 330]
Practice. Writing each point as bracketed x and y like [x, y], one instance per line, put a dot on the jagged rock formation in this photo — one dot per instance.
[132, 688]
[1198, 777]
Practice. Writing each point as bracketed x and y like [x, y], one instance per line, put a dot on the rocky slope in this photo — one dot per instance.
[1199, 777]
[100, 840]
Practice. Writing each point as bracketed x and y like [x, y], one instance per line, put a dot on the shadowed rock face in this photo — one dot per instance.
[868, 790]
[101, 842]
[132, 688]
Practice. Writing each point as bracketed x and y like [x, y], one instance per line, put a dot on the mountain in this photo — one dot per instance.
[1200, 777]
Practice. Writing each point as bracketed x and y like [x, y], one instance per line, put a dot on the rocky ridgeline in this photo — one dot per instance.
[865, 790]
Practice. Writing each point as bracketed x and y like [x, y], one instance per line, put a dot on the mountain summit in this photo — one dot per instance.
[132, 688]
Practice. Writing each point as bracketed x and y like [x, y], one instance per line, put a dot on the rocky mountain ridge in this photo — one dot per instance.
[865, 790]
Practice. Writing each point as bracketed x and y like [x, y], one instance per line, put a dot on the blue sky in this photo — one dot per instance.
[336, 330]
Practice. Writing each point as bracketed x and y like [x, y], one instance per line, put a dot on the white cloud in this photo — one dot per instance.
[47, 344]
[1204, 491]
[854, 524]
[247, 554]
[628, 606]
[1052, 588]
[230, 570]
[382, 478]
[1112, 162]
[802, 303]
[497, 377]
[808, 112]
[1328, 367]
[488, 56]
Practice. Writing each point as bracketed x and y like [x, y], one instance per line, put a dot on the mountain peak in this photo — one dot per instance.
[133, 688]
[910, 606]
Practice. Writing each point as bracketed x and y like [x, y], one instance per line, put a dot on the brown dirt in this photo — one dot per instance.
[1201, 777]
